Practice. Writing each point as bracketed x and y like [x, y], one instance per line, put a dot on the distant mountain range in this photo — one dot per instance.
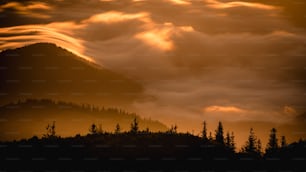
[41, 77]
[44, 70]
[30, 117]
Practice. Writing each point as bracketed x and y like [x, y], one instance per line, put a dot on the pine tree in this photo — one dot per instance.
[259, 146]
[273, 141]
[173, 129]
[147, 130]
[50, 130]
[228, 140]
[210, 138]
[134, 126]
[117, 129]
[251, 144]
[232, 144]
[204, 132]
[283, 142]
[219, 134]
[93, 129]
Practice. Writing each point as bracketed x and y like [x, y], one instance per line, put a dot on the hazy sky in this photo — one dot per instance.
[240, 62]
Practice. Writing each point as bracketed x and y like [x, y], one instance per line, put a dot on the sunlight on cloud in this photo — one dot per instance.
[180, 2]
[223, 5]
[290, 111]
[41, 33]
[30, 9]
[113, 17]
[161, 37]
[223, 109]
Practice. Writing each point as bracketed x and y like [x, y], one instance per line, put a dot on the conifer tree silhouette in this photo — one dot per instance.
[259, 146]
[273, 141]
[50, 130]
[232, 143]
[117, 129]
[204, 131]
[228, 139]
[134, 126]
[283, 142]
[252, 144]
[210, 138]
[219, 134]
[93, 129]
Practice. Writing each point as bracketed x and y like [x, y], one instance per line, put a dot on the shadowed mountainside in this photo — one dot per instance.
[44, 70]
[30, 117]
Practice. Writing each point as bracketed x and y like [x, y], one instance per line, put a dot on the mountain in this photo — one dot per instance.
[44, 70]
[26, 118]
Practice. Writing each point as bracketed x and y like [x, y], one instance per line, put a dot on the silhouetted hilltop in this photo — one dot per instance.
[294, 151]
[30, 117]
[144, 151]
[126, 146]
[44, 70]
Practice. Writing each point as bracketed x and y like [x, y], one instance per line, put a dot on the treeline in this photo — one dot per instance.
[252, 146]
[49, 103]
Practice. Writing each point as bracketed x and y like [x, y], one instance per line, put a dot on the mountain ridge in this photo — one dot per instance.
[44, 70]
[25, 118]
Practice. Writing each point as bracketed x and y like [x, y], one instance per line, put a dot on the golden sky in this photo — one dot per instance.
[241, 62]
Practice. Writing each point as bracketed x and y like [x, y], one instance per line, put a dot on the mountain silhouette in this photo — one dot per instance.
[30, 117]
[44, 70]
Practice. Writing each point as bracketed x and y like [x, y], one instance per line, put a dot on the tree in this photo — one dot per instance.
[232, 144]
[117, 129]
[173, 129]
[210, 138]
[93, 129]
[219, 134]
[273, 141]
[134, 126]
[259, 146]
[50, 130]
[228, 139]
[147, 130]
[283, 142]
[251, 145]
[204, 132]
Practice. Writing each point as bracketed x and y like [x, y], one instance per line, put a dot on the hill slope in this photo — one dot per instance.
[27, 118]
[44, 70]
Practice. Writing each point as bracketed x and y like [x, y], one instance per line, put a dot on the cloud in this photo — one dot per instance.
[232, 61]
[31, 9]
[161, 37]
[223, 109]
[180, 2]
[30, 34]
[223, 5]
[114, 17]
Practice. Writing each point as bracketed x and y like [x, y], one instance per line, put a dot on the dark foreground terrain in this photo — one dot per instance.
[142, 151]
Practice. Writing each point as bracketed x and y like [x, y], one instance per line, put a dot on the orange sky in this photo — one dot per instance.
[241, 62]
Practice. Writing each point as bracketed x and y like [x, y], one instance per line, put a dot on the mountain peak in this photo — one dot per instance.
[44, 70]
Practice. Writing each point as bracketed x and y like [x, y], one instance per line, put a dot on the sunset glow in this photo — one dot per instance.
[221, 5]
[223, 109]
[181, 61]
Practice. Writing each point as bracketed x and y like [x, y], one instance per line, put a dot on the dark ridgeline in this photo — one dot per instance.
[30, 116]
[44, 70]
[136, 146]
